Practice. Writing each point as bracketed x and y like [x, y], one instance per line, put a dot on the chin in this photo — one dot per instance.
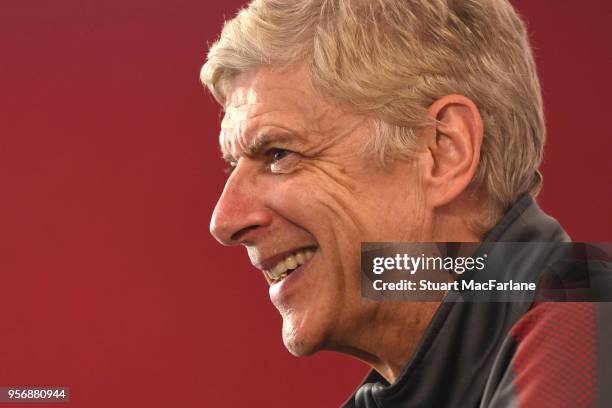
[301, 341]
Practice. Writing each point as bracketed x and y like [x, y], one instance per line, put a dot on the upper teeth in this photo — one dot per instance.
[290, 262]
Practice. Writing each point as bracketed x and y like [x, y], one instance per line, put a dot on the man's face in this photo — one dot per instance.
[302, 197]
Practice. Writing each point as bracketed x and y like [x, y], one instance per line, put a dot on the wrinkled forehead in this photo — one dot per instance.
[273, 87]
[274, 101]
[262, 98]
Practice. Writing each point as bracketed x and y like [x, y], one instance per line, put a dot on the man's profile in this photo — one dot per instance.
[393, 121]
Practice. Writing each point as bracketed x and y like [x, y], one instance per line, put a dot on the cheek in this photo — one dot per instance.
[336, 219]
[392, 212]
[302, 200]
[322, 214]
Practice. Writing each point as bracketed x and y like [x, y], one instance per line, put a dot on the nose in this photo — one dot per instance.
[239, 213]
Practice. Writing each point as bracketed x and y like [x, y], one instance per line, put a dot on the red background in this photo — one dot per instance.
[109, 171]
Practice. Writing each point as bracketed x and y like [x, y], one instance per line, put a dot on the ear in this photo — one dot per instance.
[453, 148]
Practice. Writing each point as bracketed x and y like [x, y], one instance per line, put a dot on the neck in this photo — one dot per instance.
[389, 332]
[454, 222]
[389, 336]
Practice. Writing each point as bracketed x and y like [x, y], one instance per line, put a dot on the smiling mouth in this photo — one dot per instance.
[289, 264]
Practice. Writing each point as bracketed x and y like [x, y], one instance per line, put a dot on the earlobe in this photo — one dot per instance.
[454, 145]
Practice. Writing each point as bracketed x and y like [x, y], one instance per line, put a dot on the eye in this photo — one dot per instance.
[277, 154]
[282, 161]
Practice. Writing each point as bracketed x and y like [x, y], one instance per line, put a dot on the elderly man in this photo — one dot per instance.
[390, 120]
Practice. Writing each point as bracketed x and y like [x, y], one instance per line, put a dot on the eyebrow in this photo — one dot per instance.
[261, 142]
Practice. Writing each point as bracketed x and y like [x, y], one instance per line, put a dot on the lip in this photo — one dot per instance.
[280, 291]
[270, 262]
